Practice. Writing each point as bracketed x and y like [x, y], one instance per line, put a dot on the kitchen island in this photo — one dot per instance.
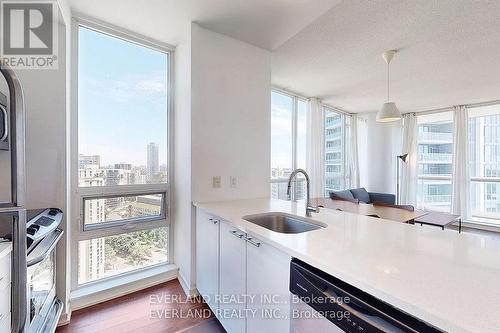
[446, 279]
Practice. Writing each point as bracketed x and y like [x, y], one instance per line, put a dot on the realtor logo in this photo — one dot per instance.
[29, 34]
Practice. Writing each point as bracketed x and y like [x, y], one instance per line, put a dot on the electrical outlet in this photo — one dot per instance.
[216, 182]
[232, 182]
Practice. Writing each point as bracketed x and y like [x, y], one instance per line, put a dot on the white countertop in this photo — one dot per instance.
[447, 279]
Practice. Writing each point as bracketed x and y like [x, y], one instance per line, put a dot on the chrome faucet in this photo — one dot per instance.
[309, 208]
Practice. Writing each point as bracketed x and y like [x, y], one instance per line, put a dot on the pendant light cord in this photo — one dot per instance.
[388, 81]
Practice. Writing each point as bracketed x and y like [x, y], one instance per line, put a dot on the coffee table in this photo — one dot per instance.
[439, 220]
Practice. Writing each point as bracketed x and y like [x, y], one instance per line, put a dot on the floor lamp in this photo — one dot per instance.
[398, 158]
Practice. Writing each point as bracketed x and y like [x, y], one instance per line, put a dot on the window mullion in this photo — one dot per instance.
[294, 142]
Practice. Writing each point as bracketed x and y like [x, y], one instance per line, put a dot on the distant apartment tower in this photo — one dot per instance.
[435, 155]
[484, 155]
[123, 166]
[334, 157]
[84, 160]
[91, 253]
[153, 161]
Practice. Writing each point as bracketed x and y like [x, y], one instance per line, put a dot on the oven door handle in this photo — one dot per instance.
[44, 248]
[5, 123]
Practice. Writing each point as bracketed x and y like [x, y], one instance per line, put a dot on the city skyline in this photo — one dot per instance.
[93, 173]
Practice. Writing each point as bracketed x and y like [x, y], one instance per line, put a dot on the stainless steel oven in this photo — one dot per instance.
[43, 308]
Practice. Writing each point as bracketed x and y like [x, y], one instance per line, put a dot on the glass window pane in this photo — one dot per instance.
[484, 146]
[281, 135]
[435, 156]
[109, 256]
[484, 156]
[122, 91]
[118, 208]
[278, 190]
[301, 133]
[485, 199]
[434, 195]
[334, 151]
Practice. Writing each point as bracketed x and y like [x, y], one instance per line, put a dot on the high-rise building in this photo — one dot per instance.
[91, 252]
[334, 147]
[484, 157]
[84, 160]
[153, 161]
[123, 166]
[435, 156]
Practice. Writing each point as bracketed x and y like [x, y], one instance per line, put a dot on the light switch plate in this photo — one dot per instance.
[216, 182]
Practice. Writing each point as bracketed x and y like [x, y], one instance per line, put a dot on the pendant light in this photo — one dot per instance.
[389, 112]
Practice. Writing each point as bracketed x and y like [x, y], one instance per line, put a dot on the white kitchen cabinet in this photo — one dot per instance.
[249, 277]
[232, 279]
[207, 257]
[268, 280]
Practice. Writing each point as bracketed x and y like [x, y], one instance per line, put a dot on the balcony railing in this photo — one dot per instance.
[334, 136]
[435, 157]
[436, 137]
[439, 198]
[333, 121]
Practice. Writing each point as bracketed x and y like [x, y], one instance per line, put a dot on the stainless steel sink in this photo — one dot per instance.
[284, 223]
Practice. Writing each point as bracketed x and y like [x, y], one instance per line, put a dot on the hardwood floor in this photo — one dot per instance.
[163, 308]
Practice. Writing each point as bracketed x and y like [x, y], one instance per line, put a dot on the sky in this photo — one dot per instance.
[122, 99]
[281, 131]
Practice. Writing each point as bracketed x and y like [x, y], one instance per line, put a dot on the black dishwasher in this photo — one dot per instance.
[348, 308]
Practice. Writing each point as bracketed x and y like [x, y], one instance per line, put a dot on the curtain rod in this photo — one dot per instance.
[450, 108]
[293, 94]
[336, 109]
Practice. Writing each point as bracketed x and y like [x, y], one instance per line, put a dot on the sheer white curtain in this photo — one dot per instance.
[460, 178]
[353, 151]
[315, 141]
[409, 169]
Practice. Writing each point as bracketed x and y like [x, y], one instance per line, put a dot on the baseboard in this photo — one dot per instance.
[479, 225]
[190, 292]
[65, 318]
[88, 296]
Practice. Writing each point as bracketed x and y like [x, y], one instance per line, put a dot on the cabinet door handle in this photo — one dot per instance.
[251, 241]
[235, 233]
[215, 221]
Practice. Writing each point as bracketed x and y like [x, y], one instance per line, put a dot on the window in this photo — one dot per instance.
[288, 143]
[108, 256]
[435, 156]
[484, 156]
[104, 211]
[336, 176]
[123, 154]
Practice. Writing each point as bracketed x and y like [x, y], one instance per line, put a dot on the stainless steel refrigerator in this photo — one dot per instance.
[12, 188]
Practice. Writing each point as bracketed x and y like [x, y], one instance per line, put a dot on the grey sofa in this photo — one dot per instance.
[364, 196]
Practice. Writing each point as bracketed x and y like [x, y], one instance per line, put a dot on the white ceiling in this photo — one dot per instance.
[264, 23]
[449, 54]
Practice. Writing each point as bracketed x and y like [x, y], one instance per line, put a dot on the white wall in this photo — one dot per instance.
[378, 149]
[45, 101]
[222, 125]
[231, 117]
[182, 210]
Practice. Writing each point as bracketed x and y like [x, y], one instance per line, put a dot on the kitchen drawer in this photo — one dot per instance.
[5, 271]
